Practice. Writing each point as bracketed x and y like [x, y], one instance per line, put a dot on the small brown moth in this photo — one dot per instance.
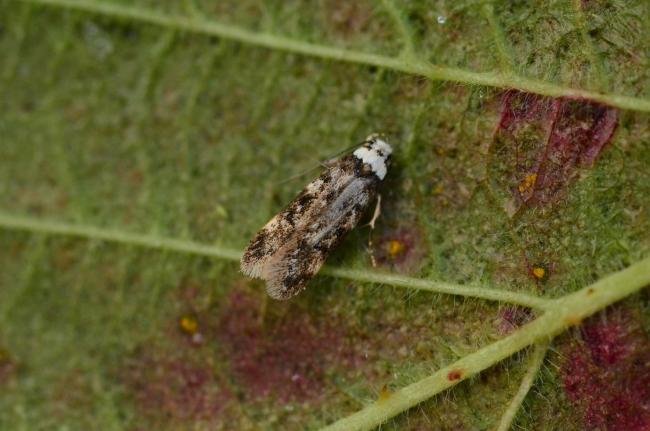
[293, 245]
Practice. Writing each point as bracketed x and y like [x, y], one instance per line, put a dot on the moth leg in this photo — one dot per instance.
[371, 250]
[376, 214]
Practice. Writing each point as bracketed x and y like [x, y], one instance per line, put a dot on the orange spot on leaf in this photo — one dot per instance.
[539, 272]
[188, 324]
[528, 183]
[384, 394]
[395, 248]
[454, 375]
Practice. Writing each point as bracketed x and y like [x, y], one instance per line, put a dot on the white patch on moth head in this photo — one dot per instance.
[375, 153]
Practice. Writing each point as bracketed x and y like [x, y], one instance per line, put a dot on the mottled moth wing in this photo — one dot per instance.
[302, 256]
[292, 246]
[281, 228]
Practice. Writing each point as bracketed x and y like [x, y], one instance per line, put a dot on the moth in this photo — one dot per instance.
[292, 247]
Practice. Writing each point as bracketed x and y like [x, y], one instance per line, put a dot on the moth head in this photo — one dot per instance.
[375, 153]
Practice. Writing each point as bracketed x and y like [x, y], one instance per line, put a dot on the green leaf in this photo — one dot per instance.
[143, 143]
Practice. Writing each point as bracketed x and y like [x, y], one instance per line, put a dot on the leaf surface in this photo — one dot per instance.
[142, 143]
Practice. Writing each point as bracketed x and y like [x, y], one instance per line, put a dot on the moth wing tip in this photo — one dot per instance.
[276, 294]
[250, 268]
[281, 292]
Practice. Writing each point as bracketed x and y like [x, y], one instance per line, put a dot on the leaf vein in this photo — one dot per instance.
[536, 362]
[407, 64]
[562, 313]
[34, 225]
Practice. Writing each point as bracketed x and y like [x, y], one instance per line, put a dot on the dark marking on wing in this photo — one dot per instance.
[305, 207]
[294, 264]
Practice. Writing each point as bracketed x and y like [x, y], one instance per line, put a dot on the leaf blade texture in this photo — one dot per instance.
[142, 143]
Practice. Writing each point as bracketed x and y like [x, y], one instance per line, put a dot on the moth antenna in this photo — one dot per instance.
[328, 163]
[295, 177]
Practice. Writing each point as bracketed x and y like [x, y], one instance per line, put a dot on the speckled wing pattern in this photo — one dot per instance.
[302, 256]
[284, 225]
[290, 249]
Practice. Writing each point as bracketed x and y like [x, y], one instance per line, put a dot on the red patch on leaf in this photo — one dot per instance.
[540, 142]
[511, 318]
[287, 359]
[176, 387]
[608, 342]
[275, 353]
[348, 18]
[7, 366]
[607, 373]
